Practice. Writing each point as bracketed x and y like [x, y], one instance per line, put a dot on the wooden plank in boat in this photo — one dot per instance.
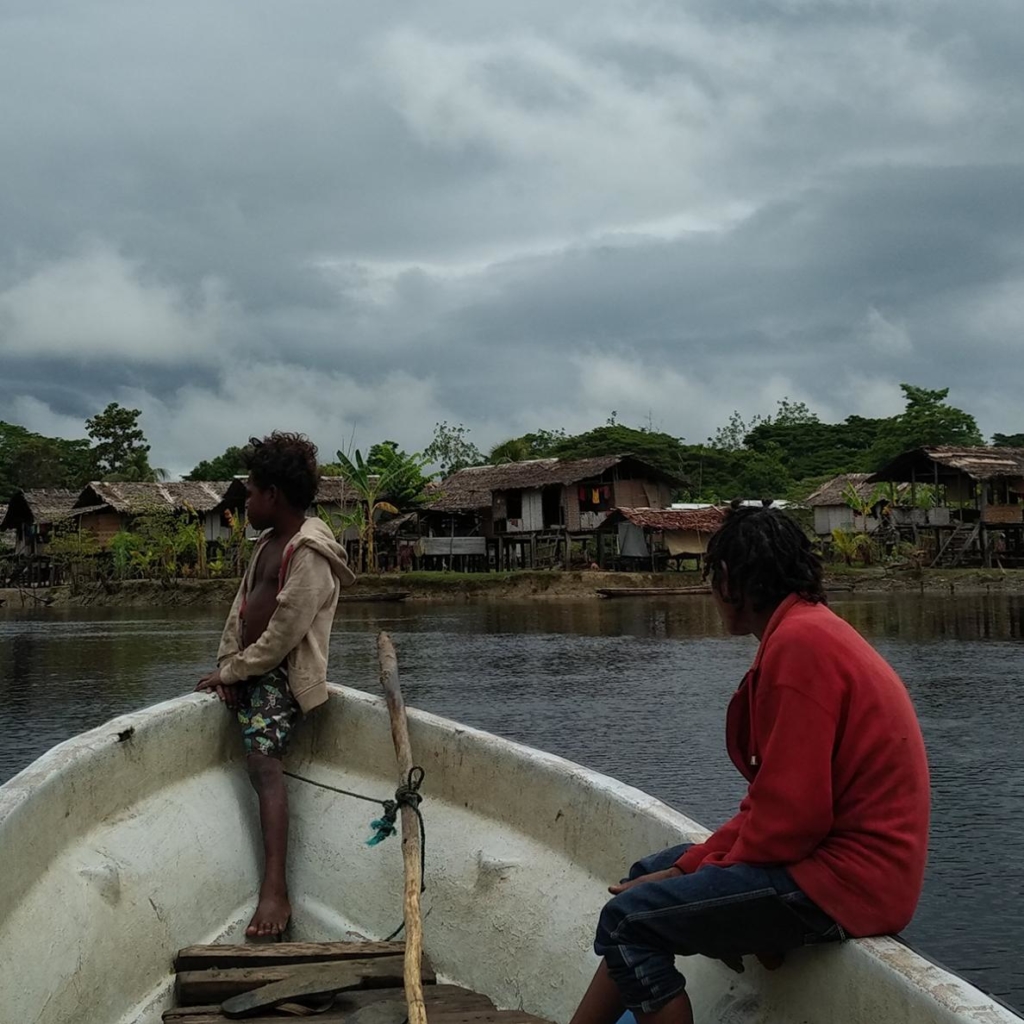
[214, 986]
[270, 954]
[305, 982]
[343, 1015]
[484, 1017]
[438, 998]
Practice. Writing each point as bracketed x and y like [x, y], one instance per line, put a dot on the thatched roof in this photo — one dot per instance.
[831, 493]
[472, 489]
[702, 520]
[394, 526]
[42, 505]
[978, 462]
[200, 495]
[335, 489]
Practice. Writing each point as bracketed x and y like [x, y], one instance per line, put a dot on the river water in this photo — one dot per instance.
[636, 688]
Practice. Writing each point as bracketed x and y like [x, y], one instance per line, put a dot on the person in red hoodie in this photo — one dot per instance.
[831, 838]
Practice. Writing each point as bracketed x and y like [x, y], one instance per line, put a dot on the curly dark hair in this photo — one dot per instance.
[767, 557]
[287, 462]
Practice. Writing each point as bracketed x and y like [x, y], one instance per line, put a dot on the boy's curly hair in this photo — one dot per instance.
[767, 557]
[287, 462]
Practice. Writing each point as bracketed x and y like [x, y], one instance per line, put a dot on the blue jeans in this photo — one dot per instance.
[722, 912]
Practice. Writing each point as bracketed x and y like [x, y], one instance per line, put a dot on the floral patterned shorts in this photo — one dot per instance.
[267, 713]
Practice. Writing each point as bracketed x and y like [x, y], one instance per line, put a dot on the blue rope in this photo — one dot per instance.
[407, 795]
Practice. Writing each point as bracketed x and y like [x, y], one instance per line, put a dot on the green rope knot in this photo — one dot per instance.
[385, 826]
[407, 795]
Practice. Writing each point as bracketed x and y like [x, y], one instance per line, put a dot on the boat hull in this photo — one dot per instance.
[140, 837]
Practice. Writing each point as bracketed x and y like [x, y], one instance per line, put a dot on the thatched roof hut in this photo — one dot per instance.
[833, 491]
[202, 496]
[472, 489]
[947, 463]
[40, 507]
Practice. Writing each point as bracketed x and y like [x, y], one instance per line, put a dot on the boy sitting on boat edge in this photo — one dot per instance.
[272, 659]
[831, 838]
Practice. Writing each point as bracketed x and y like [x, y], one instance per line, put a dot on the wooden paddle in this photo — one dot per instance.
[410, 832]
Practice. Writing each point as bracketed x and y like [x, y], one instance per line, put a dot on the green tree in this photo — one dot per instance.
[811, 449]
[119, 445]
[926, 420]
[223, 467]
[761, 475]
[656, 449]
[451, 449]
[1008, 440]
[405, 483]
[791, 413]
[515, 449]
[730, 438]
[539, 444]
[29, 460]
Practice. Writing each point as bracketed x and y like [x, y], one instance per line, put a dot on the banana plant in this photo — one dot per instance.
[369, 486]
[339, 524]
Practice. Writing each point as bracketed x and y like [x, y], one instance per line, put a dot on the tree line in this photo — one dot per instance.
[115, 449]
[784, 454]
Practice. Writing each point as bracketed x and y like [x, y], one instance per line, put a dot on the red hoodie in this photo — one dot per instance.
[825, 733]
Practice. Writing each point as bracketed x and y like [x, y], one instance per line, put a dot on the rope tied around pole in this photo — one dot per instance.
[407, 795]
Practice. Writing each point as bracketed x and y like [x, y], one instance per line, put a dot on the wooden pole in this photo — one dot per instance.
[410, 833]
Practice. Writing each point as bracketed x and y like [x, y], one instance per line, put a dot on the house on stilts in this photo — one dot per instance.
[966, 503]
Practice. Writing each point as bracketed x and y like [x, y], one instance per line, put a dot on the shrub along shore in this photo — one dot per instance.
[522, 585]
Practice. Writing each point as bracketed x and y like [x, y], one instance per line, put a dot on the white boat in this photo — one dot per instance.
[126, 843]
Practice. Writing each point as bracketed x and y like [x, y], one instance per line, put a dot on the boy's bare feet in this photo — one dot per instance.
[271, 918]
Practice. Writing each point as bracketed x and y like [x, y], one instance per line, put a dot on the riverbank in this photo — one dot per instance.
[550, 584]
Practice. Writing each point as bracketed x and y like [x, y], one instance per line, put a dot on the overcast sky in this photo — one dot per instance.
[356, 219]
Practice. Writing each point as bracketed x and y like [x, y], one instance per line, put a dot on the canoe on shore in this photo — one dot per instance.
[652, 591]
[132, 841]
[388, 595]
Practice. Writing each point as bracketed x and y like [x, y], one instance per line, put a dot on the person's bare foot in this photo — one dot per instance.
[271, 918]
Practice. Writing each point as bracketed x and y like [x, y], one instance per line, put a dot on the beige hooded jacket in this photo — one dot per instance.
[299, 632]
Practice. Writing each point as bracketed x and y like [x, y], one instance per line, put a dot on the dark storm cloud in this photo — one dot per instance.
[510, 216]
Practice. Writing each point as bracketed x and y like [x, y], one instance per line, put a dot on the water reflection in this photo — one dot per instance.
[633, 687]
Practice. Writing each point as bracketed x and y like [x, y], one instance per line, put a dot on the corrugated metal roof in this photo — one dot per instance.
[703, 520]
[472, 488]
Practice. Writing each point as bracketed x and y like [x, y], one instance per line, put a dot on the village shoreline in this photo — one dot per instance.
[520, 585]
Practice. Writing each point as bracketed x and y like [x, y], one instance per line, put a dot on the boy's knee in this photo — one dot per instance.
[263, 770]
[612, 915]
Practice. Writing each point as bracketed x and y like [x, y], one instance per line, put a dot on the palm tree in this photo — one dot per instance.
[514, 450]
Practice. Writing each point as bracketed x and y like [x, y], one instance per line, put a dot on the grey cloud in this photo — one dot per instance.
[513, 209]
